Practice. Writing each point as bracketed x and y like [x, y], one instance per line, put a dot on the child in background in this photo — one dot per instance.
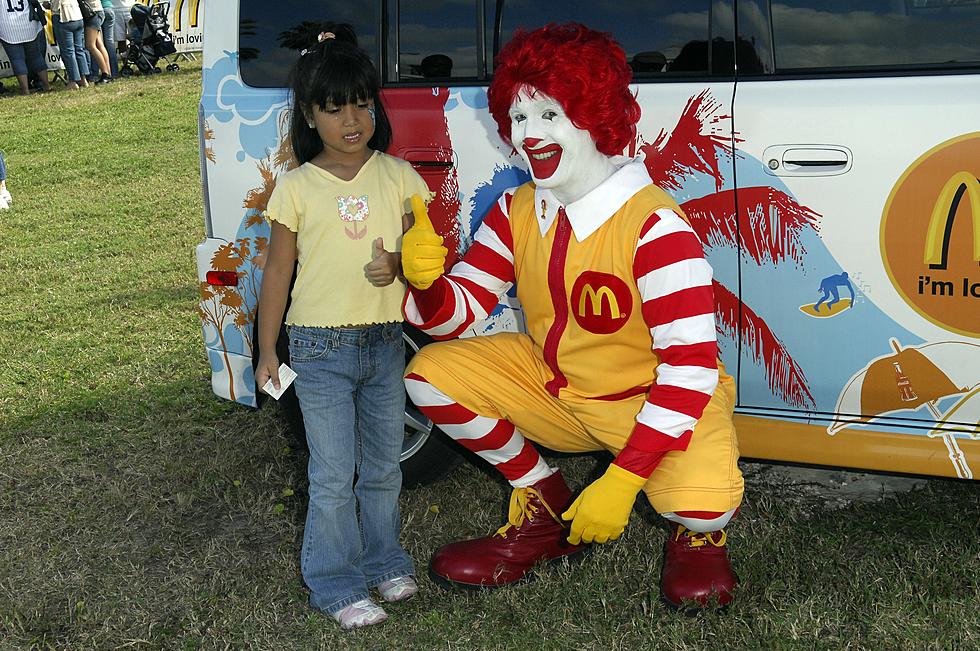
[5, 197]
[336, 214]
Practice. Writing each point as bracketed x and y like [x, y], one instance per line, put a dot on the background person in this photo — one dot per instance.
[69, 32]
[436, 66]
[121, 9]
[109, 36]
[24, 42]
[94, 17]
[5, 197]
[330, 219]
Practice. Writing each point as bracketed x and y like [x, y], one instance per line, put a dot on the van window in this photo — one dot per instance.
[659, 37]
[847, 34]
[271, 34]
[437, 40]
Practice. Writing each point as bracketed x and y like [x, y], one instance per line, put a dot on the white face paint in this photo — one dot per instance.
[561, 157]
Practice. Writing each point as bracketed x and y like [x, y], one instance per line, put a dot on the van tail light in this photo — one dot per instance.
[223, 278]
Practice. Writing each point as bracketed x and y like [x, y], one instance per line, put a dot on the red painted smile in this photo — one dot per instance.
[544, 161]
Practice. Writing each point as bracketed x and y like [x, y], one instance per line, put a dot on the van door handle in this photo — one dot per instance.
[432, 159]
[807, 160]
[432, 163]
[815, 163]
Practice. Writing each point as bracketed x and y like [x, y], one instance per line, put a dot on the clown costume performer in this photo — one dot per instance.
[620, 352]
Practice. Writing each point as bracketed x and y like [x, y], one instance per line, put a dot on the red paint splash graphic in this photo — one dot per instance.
[421, 134]
[693, 146]
[768, 225]
[784, 376]
[770, 222]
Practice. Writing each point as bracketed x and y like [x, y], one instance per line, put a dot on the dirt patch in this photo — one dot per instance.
[832, 488]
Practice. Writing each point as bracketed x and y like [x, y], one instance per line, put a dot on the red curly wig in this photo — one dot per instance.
[585, 70]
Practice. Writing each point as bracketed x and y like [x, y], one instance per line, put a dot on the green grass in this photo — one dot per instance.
[139, 511]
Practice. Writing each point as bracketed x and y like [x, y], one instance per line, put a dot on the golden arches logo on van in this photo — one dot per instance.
[930, 235]
[600, 302]
[944, 212]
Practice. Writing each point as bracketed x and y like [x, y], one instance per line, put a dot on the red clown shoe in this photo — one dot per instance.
[534, 533]
[696, 568]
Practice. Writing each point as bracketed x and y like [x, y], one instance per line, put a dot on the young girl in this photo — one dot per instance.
[5, 198]
[336, 214]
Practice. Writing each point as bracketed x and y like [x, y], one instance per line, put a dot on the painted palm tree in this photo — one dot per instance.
[767, 226]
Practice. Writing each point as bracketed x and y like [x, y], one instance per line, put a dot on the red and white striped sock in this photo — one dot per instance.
[495, 440]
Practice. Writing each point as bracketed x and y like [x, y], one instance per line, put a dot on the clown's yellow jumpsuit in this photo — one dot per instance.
[620, 352]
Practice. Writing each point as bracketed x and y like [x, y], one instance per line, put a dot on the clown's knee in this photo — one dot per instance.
[701, 521]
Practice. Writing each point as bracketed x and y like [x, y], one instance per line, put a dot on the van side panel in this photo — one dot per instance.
[884, 337]
[840, 213]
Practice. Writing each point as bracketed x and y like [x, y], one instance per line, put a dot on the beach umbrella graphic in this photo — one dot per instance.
[913, 377]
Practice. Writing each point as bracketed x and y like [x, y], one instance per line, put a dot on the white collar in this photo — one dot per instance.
[593, 210]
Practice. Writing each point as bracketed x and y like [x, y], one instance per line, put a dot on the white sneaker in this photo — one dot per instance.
[5, 195]
[360, 613]
[4, 204]
[398, 588]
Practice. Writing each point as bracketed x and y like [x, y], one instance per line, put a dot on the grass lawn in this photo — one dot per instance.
[139, 511]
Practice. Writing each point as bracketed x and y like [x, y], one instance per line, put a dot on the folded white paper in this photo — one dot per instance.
[286, 377]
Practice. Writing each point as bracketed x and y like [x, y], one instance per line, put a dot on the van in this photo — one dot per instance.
[826, 153]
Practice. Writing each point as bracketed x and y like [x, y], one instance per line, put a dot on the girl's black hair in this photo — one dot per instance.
[338, 72]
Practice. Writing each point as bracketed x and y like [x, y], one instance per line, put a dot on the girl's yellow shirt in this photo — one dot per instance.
[336, 222]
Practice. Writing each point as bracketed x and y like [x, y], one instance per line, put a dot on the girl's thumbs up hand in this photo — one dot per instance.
[423, 255]
[383, 268]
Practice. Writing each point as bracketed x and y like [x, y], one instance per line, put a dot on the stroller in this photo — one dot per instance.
[149, 40]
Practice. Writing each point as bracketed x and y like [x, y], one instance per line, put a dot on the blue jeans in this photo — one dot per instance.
[93, 71]
[350, 388]
[27, 56]
[3, 168]
[109, 38]
[71, 43]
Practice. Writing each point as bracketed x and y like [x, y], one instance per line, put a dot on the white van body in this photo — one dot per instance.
[828, 154]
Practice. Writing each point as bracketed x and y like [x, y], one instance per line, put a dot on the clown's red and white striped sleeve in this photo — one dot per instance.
[458, 299]
[674, 282]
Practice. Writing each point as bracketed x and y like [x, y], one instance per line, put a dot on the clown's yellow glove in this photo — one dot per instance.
[601, 512]
[423, 255]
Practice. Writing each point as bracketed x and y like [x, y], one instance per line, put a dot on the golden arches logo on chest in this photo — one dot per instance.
[601, 303]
